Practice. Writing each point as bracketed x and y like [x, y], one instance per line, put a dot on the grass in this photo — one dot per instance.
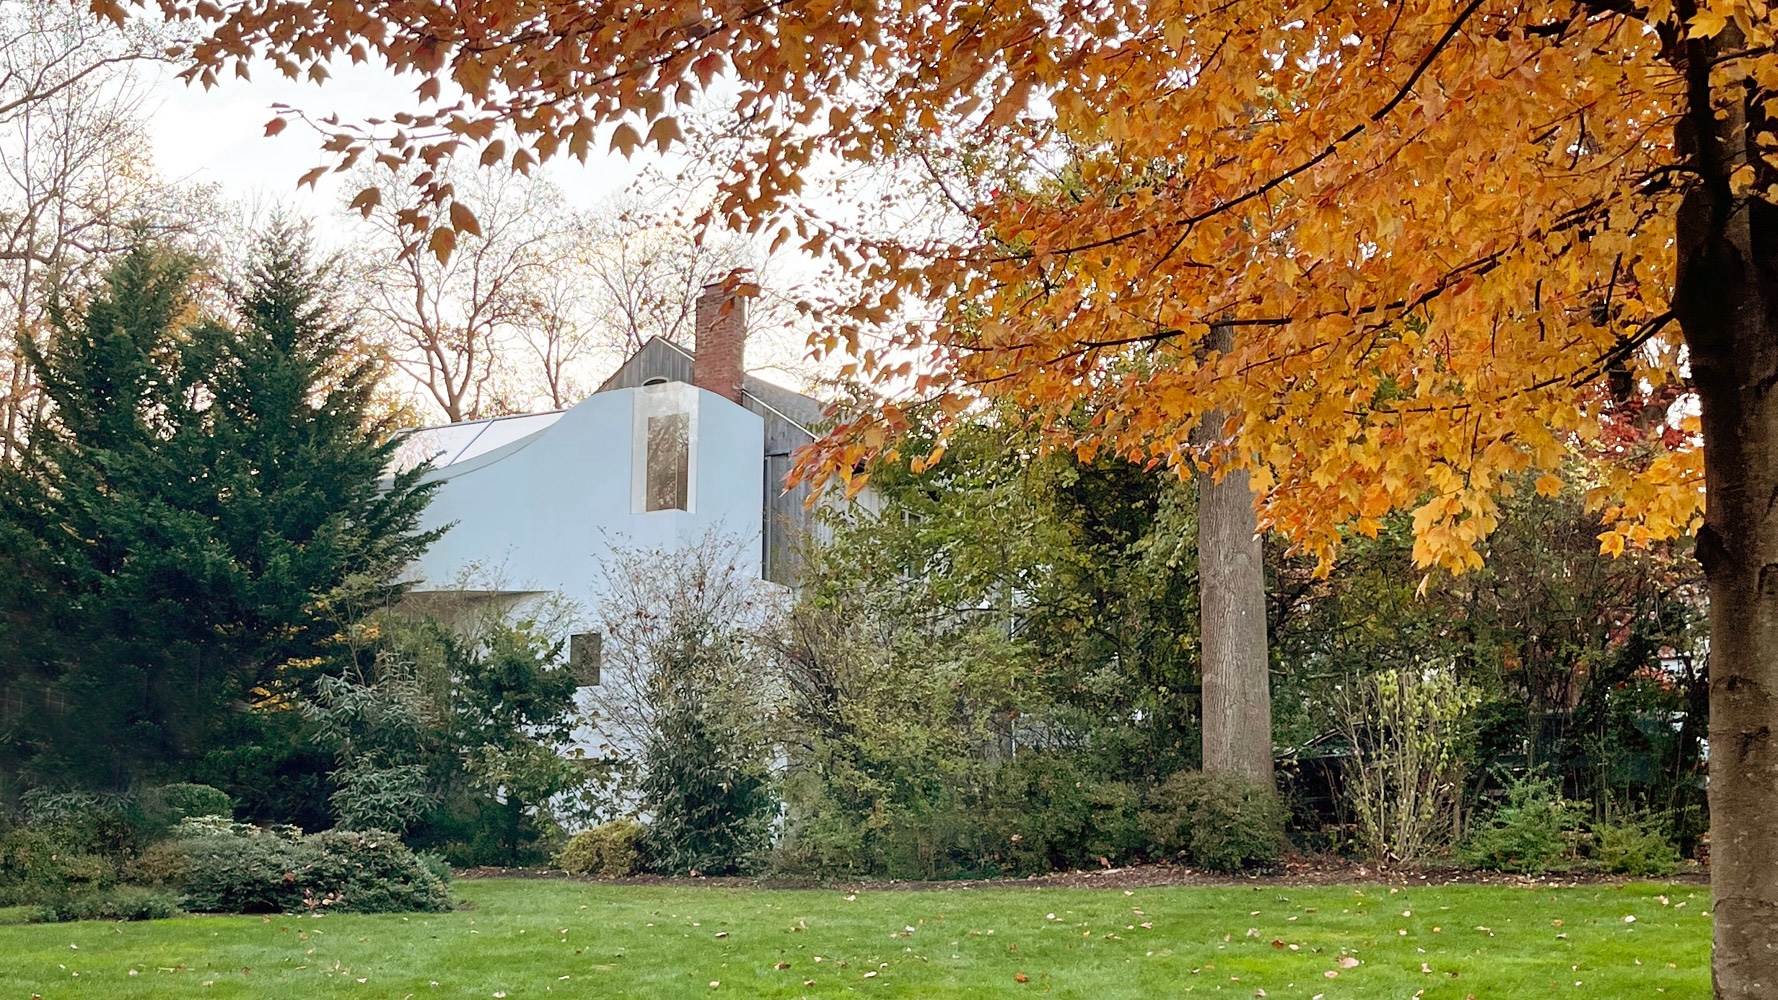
[536, 938]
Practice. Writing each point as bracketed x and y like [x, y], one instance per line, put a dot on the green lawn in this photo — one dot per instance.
[528, 939]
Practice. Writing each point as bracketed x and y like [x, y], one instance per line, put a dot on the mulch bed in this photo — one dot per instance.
[1307, 871]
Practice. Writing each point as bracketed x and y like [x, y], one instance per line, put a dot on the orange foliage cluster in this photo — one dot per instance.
[1435, 228]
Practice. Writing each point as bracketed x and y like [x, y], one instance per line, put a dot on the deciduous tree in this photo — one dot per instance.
[74, 170]
[451, 324]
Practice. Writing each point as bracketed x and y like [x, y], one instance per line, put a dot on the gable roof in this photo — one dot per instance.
[660, 358]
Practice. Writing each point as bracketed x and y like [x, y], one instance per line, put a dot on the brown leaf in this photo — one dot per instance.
[366, 200]
[444, 240]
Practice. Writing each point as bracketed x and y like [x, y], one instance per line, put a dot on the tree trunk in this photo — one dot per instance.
[1726, 301]
[1237, 699]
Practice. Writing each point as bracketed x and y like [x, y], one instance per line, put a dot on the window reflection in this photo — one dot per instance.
[669, 461]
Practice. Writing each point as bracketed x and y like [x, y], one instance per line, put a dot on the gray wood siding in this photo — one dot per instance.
[657, 359]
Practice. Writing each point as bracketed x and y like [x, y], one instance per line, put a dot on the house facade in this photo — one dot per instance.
[672, 447]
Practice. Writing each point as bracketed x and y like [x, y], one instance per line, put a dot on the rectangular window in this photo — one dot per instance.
[669, 461]
[585, 653]
[663, 448]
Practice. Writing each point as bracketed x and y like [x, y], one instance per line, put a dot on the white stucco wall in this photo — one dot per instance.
[538, 514]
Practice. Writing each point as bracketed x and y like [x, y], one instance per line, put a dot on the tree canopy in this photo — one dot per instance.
[1435, 228]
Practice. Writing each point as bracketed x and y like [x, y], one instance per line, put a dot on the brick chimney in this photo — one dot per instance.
[718, 355]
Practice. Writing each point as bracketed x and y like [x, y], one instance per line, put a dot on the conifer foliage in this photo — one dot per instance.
[196, 518]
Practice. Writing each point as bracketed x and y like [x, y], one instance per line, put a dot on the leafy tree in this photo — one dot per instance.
[512, 715]
[685, 702]
[1584, 661]
[990, 664]
[199, 516]
[1091, 565]
[709, 803]
[458, 733]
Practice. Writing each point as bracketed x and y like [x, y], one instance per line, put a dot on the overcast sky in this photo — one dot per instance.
[219, 136]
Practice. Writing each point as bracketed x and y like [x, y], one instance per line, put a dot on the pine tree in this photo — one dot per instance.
[198, 517]
[98, 645]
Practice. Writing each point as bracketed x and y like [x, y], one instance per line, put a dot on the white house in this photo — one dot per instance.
[669, 448]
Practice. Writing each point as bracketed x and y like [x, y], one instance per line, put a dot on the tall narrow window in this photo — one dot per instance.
[664, 448]
[669, 461]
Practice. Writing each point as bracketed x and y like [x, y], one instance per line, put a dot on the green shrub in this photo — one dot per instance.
[1635, 847]
[372, 871]
[162, 864]
[610, 850]
[365, 872]
[1048, 813]
[1534, 830]
[437, 864]
[121, 902]
[89, 823]
[37, 865]
[1218, 821]
[971, 818]
[709, 799]
[167, 805]
[822, 837]
[244, 873]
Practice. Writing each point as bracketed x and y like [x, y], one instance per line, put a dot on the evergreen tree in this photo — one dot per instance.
[199, 516]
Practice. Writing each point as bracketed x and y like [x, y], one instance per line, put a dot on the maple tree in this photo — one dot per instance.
[1454, 241]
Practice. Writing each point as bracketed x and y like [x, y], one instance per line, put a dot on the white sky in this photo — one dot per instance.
[219, 136]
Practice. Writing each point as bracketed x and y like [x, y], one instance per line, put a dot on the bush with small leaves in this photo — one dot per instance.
[1534, 829]
[372, 871]
[260, 872]
[167, 805]
[228, 872]
[162, 864]
[37, 865]
[88, 822]
[609, 850]
[1633, 847]
[1045, 812]
[437, 864]
[119, 902]
[1218, 821]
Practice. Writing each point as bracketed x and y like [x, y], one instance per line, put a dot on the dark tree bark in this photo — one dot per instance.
[1726, 301]
[1237, 701]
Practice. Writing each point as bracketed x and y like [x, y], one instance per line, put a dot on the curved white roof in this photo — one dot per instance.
[449, 444]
